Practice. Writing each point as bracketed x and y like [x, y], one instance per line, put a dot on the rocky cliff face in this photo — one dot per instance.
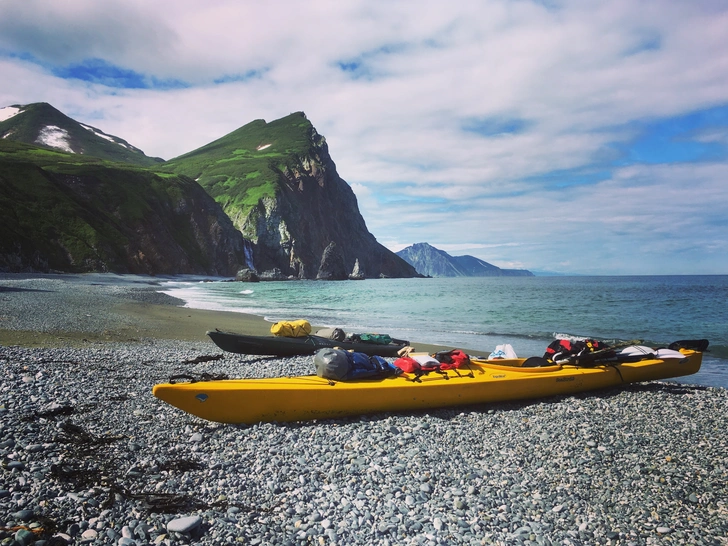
[280, 186]
[312, 228]
[433, 262]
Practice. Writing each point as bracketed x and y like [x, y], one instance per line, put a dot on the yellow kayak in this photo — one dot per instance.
[302, 398]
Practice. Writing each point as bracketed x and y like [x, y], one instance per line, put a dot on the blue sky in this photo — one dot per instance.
[571, 136]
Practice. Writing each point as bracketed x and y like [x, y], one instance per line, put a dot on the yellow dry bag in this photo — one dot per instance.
[291, 328]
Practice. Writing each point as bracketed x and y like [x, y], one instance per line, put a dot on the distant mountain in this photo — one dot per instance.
[432, 262]
[279, 185]
[40, 124]
[76, 213]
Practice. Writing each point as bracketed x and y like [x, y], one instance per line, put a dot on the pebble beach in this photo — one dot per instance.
[89, 456]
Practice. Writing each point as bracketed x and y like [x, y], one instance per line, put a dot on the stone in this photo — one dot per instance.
[23, 515]
[247, 275]
[24, 537]
[356, 274]
[185, 524]
[89, 535]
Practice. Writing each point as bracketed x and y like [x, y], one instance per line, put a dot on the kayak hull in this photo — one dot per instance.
[310, 397]
[294, 346]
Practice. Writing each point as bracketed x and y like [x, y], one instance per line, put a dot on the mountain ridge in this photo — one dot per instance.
[274, 183]
[433, 262]
[40, 124]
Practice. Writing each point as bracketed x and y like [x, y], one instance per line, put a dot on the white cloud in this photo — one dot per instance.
[573, 78]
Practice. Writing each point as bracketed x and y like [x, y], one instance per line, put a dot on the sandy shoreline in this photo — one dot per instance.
[124, 318]
[83, 310]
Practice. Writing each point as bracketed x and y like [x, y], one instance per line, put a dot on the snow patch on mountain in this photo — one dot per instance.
[103, 135]
[55, 137]
[8, 112]
[97, 132]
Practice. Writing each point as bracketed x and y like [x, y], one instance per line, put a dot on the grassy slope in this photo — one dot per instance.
[235, 172]
[93, 225]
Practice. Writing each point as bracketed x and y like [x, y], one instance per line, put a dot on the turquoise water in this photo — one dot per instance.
[479, 313]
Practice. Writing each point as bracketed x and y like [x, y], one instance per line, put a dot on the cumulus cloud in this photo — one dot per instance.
[509, 130]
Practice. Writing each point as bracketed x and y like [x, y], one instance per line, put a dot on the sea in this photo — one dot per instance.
[479, 313]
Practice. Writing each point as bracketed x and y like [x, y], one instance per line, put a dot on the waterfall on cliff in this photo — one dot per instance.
[248, 249]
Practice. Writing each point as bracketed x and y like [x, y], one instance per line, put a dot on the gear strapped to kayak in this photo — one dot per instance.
[564, 349]
[340, 365]
[291, 328]
[297, 398]
[440, 362]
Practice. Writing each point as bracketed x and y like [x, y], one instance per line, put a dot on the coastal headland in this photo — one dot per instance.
[89, 456]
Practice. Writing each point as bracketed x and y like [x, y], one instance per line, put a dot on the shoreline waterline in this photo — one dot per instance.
[122, 309]
[76, 310]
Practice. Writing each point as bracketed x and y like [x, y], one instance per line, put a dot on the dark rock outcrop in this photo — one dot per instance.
[274, 274]
[247, 275]
[332, 265]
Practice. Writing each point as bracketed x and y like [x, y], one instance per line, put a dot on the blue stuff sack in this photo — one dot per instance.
[363, 366]
[341, 365]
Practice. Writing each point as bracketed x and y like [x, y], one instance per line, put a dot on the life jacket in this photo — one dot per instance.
[563, 349]
[420, 365]
[451, 359]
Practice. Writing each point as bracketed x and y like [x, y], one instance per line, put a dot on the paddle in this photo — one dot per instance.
[700, 345]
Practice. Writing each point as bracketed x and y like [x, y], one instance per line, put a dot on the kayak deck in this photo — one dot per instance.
[311, 397]
[295, 346]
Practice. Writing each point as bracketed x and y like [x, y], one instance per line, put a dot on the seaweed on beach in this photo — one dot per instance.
[77, 435]
[90, 463]
[204, 358]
